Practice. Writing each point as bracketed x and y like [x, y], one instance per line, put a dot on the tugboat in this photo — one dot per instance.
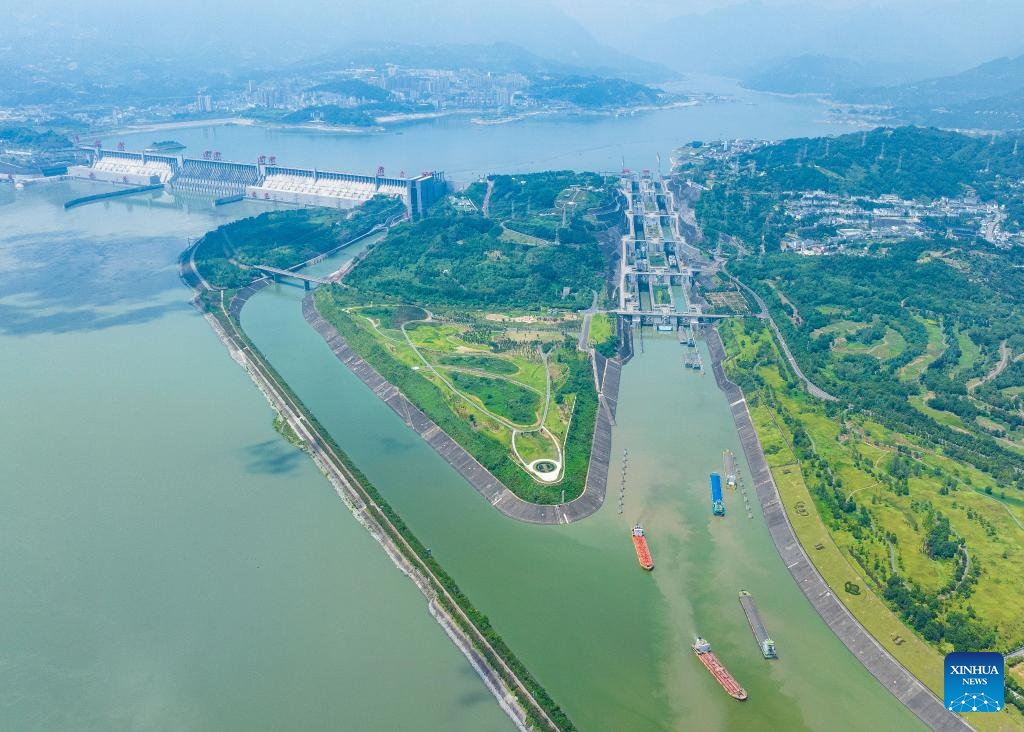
[643, 553]
[732, 687]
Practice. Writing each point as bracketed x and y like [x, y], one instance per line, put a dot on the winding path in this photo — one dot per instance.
[482, 480]
[882, 665]
[1004, 360]
[485, 209]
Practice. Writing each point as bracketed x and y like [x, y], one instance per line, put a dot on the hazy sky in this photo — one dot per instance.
[923, 37]
[581, 9]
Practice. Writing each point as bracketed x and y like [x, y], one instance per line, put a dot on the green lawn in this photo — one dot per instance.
[860, 453]
[476, 384]
[511, 401]
[602, 328]
[889, 347]
[439, 337]
[838, 327]
[936, 345]
[534, 446]
[947, 418]
[970, 352]
[520, 238]
[490, 364]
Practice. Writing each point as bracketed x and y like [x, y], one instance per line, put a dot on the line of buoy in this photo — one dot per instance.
[622, 484]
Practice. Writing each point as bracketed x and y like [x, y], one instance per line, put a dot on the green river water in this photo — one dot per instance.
[608, 640]
[169, 562]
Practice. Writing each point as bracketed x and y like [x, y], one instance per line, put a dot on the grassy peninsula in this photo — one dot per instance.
[473, 313]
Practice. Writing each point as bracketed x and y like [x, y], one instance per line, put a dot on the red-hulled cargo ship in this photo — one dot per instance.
[703, 650]
[642, 552]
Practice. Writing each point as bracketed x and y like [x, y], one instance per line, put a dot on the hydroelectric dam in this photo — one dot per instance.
[259, 181]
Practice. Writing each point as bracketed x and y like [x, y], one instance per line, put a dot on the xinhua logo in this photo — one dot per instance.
[974, 682]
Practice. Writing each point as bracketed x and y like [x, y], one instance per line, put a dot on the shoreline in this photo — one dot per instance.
[363, 509]
[385, 123]
[182, 125]
[879, 662]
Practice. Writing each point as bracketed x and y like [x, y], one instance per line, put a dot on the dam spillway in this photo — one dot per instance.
[259, 181]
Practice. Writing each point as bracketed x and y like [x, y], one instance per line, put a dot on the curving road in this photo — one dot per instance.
[812, 388]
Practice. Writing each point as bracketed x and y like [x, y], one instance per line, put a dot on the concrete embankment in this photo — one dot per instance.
[500, 679]
[482, 480]
[882, 665]
[119, 193]
[224, 200]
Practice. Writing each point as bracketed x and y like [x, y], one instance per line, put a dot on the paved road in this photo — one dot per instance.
[588, 314]
[882, 665]
[812, 388]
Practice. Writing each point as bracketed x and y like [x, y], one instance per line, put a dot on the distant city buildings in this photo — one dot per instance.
[382, 92]
[821, 222]
[825, 222]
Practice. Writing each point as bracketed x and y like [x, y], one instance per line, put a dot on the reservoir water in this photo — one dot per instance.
[171, 563]
[466, 151]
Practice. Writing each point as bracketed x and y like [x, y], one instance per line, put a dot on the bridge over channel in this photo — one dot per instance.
[277, 274]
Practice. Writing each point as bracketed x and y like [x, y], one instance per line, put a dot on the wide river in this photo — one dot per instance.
[171, 563]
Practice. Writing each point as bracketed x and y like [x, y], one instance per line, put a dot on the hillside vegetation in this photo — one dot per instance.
[471, 312]
[747, 191]
[917, 471]
[519, 256]
[282, 239]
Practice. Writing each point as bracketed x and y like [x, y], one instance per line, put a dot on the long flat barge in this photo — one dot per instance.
[764, 642]
[732, 687]
[717, 504]
[643, 552]
[731, 472]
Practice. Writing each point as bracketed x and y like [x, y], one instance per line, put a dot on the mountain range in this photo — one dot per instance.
[989, 96]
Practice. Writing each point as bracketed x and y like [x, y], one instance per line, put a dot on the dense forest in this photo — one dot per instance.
[591, 92]
[745, 191]
[29, 138]
[519, 256]
[283, 239]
